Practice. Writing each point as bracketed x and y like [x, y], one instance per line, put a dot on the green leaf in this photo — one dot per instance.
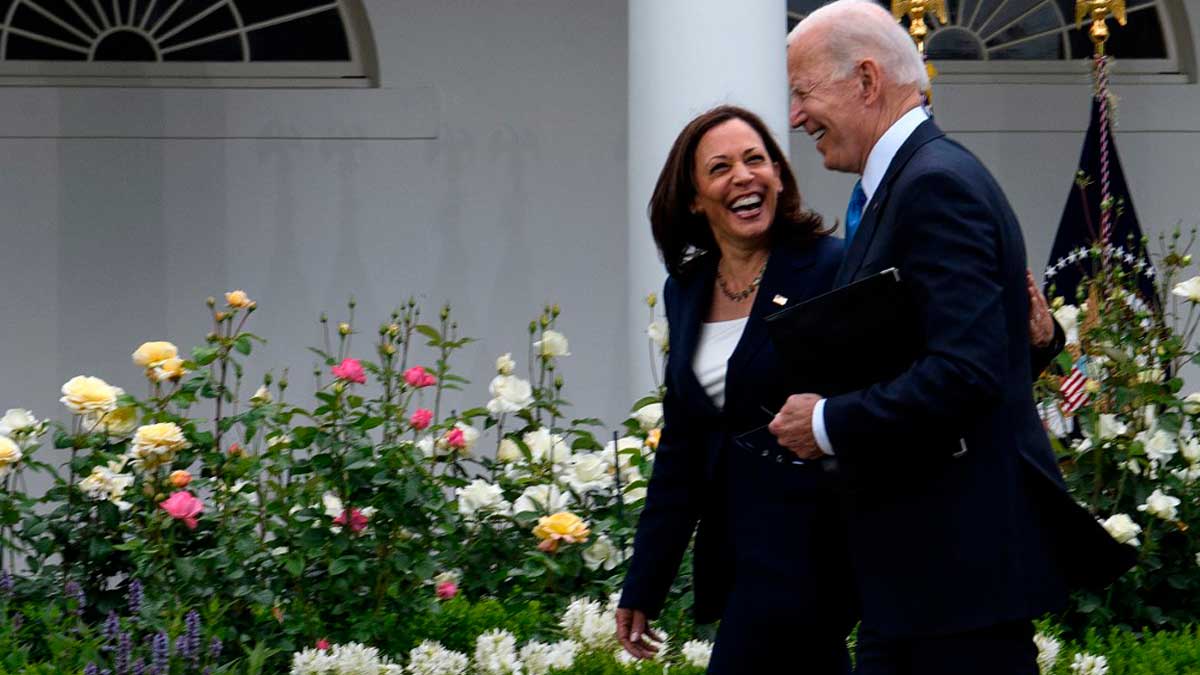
[202, 356]
[430, 332]
[242, 344]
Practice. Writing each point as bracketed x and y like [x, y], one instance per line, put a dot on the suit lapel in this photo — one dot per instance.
[693, 308]
[870, 224]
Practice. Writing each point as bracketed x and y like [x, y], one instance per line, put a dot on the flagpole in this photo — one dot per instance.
[1100, 11]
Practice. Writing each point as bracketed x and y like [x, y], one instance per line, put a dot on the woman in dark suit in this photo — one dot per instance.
[770, 561]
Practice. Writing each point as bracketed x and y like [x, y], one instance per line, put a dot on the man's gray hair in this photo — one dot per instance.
[857, 29]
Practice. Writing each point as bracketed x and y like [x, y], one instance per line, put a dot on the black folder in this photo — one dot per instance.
[848, 338]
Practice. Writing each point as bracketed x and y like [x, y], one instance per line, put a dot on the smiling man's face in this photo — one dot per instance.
[828, 107]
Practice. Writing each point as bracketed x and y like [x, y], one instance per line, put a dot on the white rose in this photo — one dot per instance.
[10, 454]
[1191, 404]
[1190, 289]
[1068, 317]
[1088, 664]
[587, 472]
[17, 420]
[509, 395]
[1161, 505]
[553, 343]
[480, 495]
[83, 394]
[545, 499]
[1122, 528]
[1110, 427]
[544, 445]
[508, 451]
[658, 332]
[603, 554]
[1191, 449]
[426, 446]
[470, 436]
[1048, 649]
[696, 653]
[262, 396]
[505, 364]
[1160, 446]
[1189, 475]
[333, 505]
[649, 416]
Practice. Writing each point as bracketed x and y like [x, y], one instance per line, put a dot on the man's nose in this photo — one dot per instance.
[796, 115]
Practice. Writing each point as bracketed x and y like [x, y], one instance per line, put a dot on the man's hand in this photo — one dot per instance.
[632, 632]
[1041, 323]
[792, 426]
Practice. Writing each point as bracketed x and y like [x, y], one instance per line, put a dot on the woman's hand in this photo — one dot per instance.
[632, 632]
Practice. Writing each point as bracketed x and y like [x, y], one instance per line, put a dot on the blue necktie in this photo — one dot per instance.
[854, 211]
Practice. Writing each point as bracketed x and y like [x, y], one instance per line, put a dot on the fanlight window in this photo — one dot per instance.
[1028, 36]
[223, 39]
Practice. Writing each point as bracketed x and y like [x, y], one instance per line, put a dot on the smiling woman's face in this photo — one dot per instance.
[737, 184]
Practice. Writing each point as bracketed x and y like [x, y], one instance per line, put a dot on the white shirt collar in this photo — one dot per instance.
[887, 146]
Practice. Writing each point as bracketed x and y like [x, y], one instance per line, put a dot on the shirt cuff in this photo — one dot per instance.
[818, 427]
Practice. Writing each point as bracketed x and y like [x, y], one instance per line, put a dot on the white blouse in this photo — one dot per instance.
[717, 342]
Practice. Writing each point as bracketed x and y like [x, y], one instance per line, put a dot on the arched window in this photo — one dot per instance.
[186, 42]
[1015, 40]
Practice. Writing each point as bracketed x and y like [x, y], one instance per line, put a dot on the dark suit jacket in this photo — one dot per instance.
[687, 485]
[946, 541]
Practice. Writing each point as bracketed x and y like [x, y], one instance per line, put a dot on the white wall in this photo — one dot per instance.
[518, 201]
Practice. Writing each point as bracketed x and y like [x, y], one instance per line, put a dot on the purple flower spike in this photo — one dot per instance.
[91, 669]
[75, 592]
[124, 651]
[112, 626]
[214, 649]
[160, 652]
[135, 597]
[6, 584]
[138, 667]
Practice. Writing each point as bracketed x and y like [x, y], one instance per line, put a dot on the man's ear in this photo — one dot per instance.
[870, 79]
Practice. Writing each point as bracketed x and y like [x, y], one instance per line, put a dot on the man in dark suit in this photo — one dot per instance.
[959, 524]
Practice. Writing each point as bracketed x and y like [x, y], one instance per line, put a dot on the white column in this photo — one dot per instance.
[686, 56]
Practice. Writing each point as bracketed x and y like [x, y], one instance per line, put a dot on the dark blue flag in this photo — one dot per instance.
[1079, 229]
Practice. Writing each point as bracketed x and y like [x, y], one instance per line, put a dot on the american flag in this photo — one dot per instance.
[1073, 386]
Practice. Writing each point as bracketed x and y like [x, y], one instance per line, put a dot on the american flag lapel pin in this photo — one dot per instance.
[779, 300]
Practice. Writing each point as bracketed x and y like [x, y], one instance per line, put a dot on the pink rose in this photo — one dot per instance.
[350, 370]
[418, 377]
[421, 418]
[183, 505]
[447, 590]
[358, 521]
[322, 644]
[455, 438]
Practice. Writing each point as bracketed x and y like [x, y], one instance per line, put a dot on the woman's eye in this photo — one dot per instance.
[717, 168]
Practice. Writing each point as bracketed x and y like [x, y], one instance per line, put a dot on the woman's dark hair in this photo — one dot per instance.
[677, 230]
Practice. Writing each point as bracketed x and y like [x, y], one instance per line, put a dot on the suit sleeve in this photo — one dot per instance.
[671, 509]
[950, 260]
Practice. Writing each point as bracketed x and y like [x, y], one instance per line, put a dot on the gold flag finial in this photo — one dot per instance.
[1099, 11]
[916, 11]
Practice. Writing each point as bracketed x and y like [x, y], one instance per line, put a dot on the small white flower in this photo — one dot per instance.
[1191, 403]
[603, 554]
[1189, 290]
[649, 416]
[18, 421]
[333, 505]
[1088, 664]
[1160, 446]
[696, 653]
[480, 495]
[1068, 317]
[658, 332]
[431, 658]
[262, 396]
[544, 499]
[553, 343]
[505, 364]
[508, 451]
[510, 394]
[1110, 426]
[1122, 528]
[1189, 475]
[1048, 649]
[496, 654]
[426, 446]
[1191, 450]
[1161, 505]
[539, 658]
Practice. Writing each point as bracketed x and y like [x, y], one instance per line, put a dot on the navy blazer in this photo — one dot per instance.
[959, 517]
[687, 486]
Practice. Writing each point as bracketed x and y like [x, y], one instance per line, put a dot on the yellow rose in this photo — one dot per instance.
[652, 438]
[562, 526]
[116, 423]
[151, 354]
[156, 444]
[84, 394]
[10, 452]
[238, 299]
[170, 369]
